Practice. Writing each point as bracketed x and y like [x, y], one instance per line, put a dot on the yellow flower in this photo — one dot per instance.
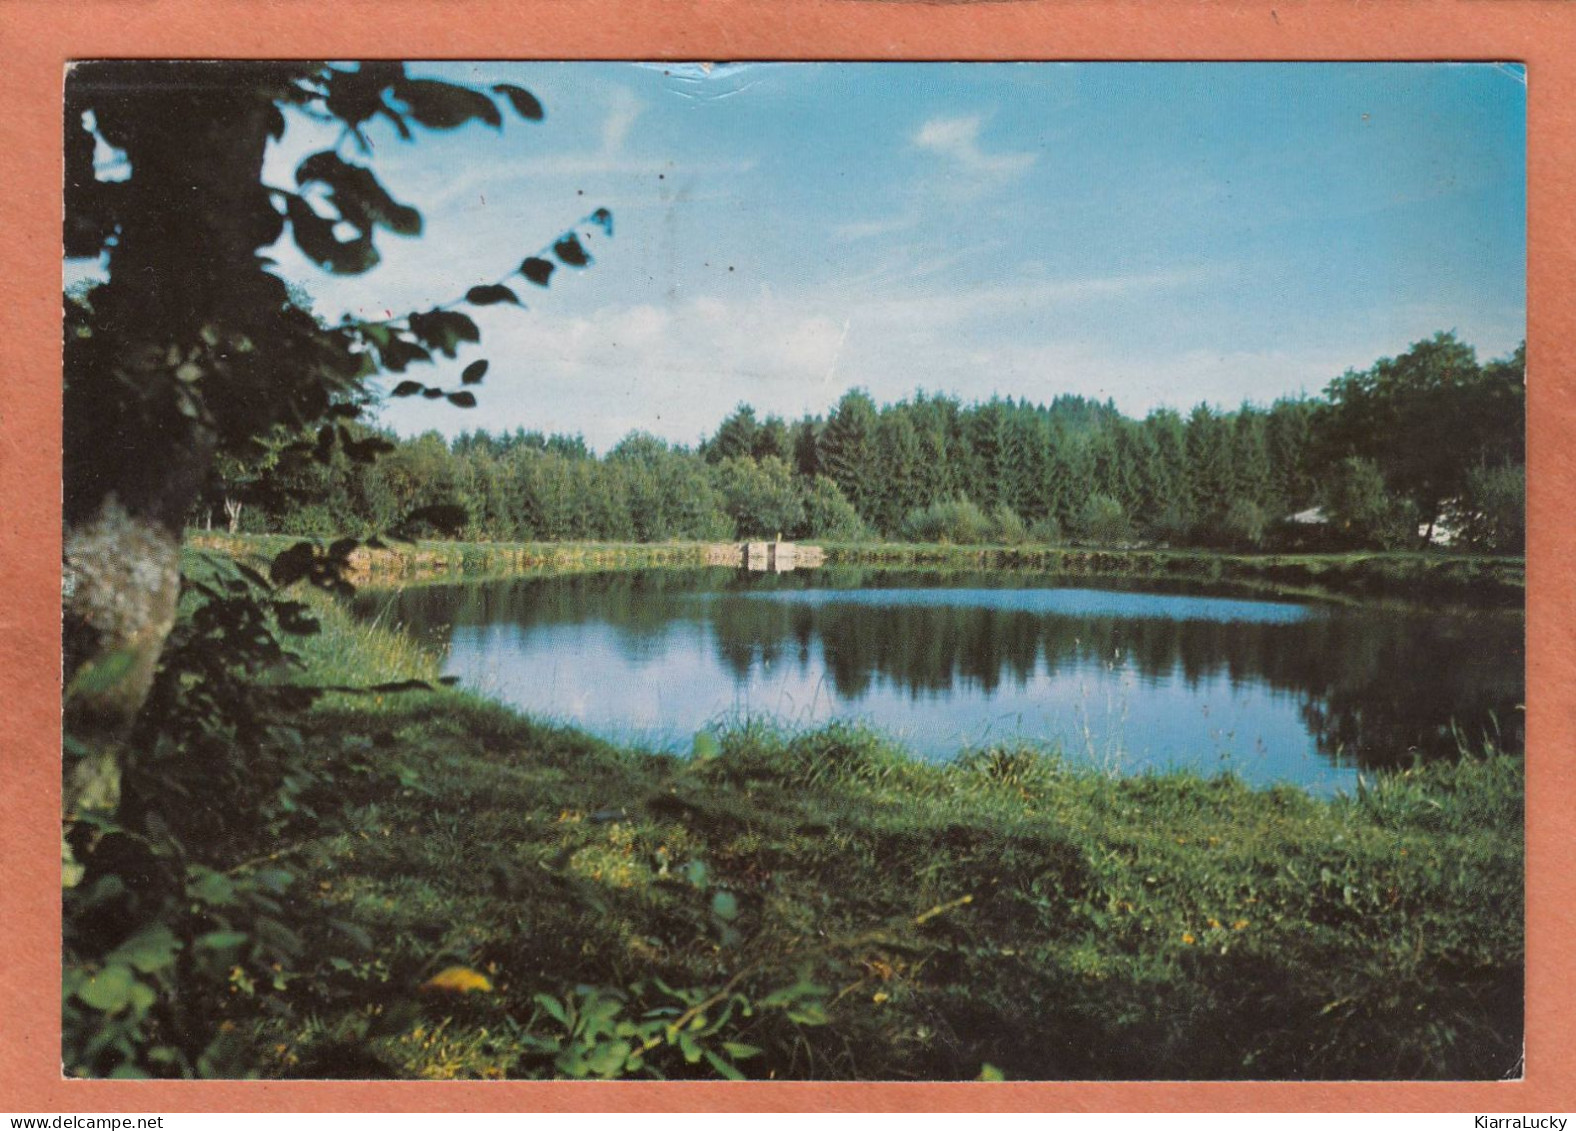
[1214, 924]
[1239, 924]
[1188, 939]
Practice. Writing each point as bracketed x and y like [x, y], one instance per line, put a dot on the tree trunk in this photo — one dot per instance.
[140, 422]
[121, 583]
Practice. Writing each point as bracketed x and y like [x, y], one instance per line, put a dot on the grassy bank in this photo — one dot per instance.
[1413, 577]
[821, 906]
[1424, 578]
[435, 560]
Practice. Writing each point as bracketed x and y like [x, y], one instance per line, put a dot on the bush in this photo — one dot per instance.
[1102, 521]
[1493, 513]
[1046, 531]
[1362, 510]
[959, 522]
[829, 515]
[1006, 527]
[1246, 523]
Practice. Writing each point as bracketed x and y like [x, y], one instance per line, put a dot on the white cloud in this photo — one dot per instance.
[958, 140]
[675, 367]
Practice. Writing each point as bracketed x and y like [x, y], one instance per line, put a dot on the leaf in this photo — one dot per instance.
[275, 880]
[355, 96]
[444, 330]
[571, 252]
[457, 980]
[102, 673]
[323, 452]
[354, 933]
[295, 619]
[723, 1068]
[474, 372]
[109, 990]
[552, 1007]
[220, 940]
[491, 295]
[365, 451]
[208, 886]
[725, 906]
[400, 352]
[607, 1060]
[291, 565]
[463, 399]
[537, 270]
[738, 1050]
[444, 106]
[149, 950]
[314, 235]
[357, 196]
[989, 1072]
[523, 101]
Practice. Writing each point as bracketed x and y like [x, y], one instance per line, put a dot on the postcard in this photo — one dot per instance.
[775, 583]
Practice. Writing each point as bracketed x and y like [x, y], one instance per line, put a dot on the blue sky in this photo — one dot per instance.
[1161, 234]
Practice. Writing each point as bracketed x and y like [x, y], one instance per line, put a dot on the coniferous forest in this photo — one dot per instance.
[1427, 443]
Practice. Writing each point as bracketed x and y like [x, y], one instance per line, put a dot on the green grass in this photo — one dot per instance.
[1421, 578]
[430, 560]
[820, 905]
[1429, 578]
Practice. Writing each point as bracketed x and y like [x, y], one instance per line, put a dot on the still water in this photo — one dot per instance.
[1121, 679]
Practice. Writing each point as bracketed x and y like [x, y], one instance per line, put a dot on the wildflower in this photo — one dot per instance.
[1188, 939]
[1239, 924]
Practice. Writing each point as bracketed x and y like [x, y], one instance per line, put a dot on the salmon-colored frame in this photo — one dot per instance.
[37, 38]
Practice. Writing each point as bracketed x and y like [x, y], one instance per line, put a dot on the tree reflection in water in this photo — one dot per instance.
[1371, 687]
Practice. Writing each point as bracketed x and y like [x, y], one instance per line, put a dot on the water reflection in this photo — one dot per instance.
[1128, 679]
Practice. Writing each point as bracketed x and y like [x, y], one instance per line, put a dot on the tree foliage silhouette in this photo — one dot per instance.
[194, 347]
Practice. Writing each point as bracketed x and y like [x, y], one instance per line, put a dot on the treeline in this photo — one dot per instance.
[1430, 442]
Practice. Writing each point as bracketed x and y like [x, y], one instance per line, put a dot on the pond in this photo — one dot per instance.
[1121, 679]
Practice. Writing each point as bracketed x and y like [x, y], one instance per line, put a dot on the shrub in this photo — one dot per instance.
[829, 515]
[1362, 510]
[959, 522]
[1493, 513]
[1046, 531]
[1246, 523]
[1006, 527]
[1102, 521]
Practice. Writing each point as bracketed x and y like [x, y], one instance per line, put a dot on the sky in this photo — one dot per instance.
[1156, 234]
